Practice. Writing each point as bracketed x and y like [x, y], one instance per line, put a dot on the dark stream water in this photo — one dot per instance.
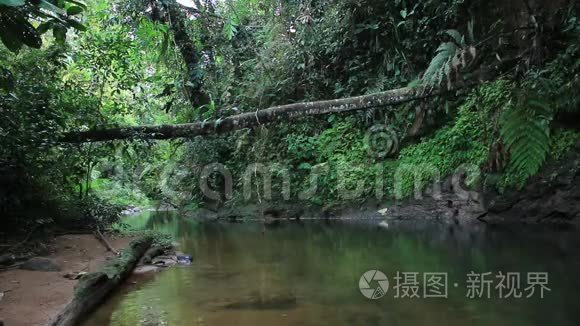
[309, 273]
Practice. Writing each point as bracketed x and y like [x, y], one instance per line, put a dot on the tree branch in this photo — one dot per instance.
[104, 241]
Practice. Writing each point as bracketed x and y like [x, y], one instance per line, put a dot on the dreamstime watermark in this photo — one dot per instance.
[381, 141]
[374, 285]
[268, 181]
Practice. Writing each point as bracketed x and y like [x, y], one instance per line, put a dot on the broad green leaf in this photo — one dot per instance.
[305, 166]
[59, 33]
[30, 36]
[74, 10]
[78, 3]
[44, 27]
[12, 3]
[76, 25]
[6, 79]
[50, 7]
[403, 13]
[15, 30]
[10, 40]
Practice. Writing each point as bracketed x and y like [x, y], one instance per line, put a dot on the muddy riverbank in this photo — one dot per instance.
[32, 298]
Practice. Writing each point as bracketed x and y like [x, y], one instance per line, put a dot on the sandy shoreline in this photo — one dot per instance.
[32, 298]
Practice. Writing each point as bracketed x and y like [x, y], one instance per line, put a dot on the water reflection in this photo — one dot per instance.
[307, 274]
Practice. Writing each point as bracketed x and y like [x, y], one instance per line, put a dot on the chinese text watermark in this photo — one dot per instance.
[374, 284]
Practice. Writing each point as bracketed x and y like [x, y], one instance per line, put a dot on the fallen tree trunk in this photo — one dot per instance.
[252, 119]
[94, 287]
[285, 112]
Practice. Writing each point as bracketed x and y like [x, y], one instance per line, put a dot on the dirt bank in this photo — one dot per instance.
[32, 298]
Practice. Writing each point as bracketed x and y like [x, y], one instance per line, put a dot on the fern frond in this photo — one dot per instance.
[440, 64]
[526, 132]
[450, 57]
[231, 27]
[456, 36]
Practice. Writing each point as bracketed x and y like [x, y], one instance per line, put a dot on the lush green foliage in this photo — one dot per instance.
[46, 92]
[467, 141]
[526, 133]
[527, 126]
[17, 17]
[127, 67]
[450, 57]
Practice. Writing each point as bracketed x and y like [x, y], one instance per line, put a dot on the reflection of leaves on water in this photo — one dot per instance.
[218, 275]
[365, 319]
[258, 301]
[152, 317]
[167, 222]
[315, 269]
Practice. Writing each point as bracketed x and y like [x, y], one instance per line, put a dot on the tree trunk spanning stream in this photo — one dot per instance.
[252, 119]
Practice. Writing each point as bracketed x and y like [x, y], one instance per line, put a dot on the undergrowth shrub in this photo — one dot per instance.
[466, 140]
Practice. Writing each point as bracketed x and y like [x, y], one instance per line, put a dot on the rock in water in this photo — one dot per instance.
[152, 253]
[146, 269]
[42, 264]
[383, 211]
[384, 225]
[184, 259]
[164, 261]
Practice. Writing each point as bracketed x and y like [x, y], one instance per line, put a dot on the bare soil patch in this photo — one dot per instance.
[32, 297]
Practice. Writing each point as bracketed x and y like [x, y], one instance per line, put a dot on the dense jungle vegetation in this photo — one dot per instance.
[500, 81]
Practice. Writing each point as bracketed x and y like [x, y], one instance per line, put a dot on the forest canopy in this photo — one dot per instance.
[494, 85]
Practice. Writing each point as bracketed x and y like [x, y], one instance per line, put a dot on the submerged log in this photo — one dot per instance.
[93, 288]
